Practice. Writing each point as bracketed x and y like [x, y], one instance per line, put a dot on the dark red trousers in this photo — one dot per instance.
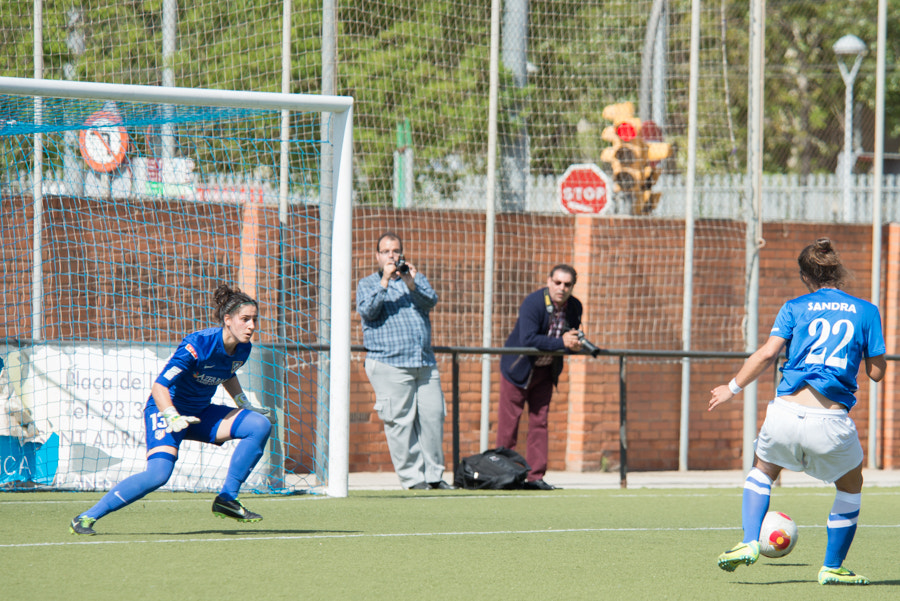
[512, 404]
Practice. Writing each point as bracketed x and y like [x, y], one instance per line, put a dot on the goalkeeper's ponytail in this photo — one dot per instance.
[230, 300]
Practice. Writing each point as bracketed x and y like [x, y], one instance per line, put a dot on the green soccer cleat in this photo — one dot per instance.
[840, 575]
[234, 510]
[742, 553]
[82, 525]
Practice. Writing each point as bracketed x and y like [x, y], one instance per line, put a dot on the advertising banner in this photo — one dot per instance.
[71, 416]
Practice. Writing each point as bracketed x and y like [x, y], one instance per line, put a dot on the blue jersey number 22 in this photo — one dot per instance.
[818, 353]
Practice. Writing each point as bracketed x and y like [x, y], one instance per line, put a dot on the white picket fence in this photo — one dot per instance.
[816, 198]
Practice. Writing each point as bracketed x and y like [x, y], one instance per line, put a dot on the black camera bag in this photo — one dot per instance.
[495, 469]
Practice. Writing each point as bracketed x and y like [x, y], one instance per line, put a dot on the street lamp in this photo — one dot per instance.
[848, 46]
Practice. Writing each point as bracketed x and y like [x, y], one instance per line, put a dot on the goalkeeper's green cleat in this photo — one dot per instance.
[234, 510]
[742, 553]
[81, 524]
[840, 575]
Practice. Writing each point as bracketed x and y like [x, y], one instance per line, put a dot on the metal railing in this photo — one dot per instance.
[622, 354]
[456, 351]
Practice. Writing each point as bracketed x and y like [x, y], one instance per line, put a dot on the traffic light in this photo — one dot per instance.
[654, 152]
[634, 160]
[624, 156]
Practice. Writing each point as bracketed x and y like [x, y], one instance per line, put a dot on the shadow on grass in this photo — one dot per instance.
[842, 586]
[272, 531]
[776, 566]
[773, 582]
[237, 532]
[802, 565]
[425, 494]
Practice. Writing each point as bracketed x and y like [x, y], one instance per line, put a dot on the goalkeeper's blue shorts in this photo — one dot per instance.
[205, 431]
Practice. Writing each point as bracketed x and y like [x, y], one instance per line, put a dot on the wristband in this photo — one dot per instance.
[733, 386]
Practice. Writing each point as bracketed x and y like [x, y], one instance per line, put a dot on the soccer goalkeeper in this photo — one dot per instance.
[180, 408]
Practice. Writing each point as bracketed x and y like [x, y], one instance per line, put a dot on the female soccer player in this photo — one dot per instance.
[180, 408]
[807, 427]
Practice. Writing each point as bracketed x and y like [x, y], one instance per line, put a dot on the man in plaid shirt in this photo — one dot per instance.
[394, 303]
[549, 320]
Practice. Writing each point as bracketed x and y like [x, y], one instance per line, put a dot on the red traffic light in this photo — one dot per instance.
[626, 131]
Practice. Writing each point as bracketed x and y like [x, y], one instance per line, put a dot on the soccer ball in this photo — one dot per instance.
[778, 535]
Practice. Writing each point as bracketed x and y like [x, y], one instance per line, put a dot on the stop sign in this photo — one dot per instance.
[584, 189]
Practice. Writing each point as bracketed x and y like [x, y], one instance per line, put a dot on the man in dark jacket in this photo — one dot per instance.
[549, 319]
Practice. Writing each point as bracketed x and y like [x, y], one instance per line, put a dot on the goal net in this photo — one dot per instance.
[422, 74]
[123, 208]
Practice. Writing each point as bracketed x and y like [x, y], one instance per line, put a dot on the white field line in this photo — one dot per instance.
[449, 496]
[390, 535]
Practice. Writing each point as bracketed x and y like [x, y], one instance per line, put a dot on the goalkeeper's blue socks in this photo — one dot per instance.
[249, 426]
[129, 490]
[757, 491]
[253, 430]
[841, 527]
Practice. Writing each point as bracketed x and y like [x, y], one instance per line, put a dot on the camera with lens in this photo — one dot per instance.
[588, 347]
[402, 267]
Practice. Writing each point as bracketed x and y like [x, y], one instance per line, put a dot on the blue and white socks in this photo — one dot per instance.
[757, 492]
[841, 527]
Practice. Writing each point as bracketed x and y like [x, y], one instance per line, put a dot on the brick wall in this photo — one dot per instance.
[584, 418]
[630, 281]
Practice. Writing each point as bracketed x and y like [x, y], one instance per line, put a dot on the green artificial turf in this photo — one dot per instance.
[646, 544]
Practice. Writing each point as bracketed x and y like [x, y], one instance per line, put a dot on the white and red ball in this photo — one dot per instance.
[778, 535]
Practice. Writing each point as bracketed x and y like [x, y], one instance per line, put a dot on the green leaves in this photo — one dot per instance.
[429, 62]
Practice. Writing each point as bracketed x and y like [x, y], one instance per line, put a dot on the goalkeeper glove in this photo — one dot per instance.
[175, 422]
[243, 401]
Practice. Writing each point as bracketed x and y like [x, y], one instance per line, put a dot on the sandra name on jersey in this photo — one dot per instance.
[849, 307]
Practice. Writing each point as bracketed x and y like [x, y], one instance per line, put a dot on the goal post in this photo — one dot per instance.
[136, 202]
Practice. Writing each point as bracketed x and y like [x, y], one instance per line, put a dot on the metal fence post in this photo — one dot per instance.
[623, 410]
[455, 402]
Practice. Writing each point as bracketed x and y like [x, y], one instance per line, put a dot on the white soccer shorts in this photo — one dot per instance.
[823, 443]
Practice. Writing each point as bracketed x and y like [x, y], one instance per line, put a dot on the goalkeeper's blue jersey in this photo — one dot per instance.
[197, 367]
[828, 334]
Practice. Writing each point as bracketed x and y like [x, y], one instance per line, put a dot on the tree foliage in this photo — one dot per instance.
[428, 62]
[804, 91]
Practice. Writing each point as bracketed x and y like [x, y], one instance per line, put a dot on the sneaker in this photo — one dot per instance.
[840, 575]
[234, 510]
[539, 485]
[82, 525]
[742, 553]
[441, 485]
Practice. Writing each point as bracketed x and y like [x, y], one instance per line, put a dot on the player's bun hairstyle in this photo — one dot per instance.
[821, 267]
[230, 300]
